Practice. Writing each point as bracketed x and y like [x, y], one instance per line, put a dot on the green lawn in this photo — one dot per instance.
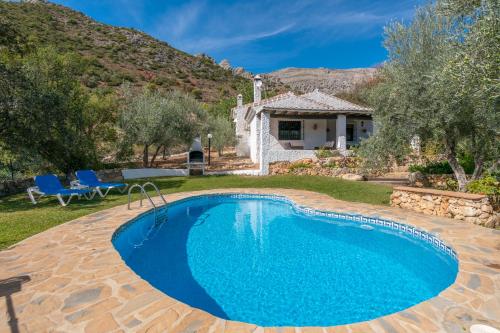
[20, 219]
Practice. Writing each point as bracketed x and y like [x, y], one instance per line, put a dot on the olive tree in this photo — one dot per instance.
[159, 120]
[43, 109]
[437, 85]
[222, 131]
[469, 84]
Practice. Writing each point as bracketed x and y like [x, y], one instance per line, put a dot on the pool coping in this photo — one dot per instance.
[78, 281]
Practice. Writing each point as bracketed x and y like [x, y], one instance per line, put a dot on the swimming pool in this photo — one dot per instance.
[263, 260]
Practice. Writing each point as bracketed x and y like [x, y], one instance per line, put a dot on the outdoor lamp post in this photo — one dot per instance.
[209, 136]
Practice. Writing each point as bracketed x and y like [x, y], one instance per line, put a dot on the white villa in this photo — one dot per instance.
[291, 127]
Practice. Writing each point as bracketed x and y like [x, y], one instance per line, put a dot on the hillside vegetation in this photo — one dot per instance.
[118, 55]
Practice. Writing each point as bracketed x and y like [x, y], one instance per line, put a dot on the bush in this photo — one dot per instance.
[343, 162]
[416, 168]
[488, 185]
[298, 166]
[451, 185]
[197, 93]
[443, 167]
[325, 153]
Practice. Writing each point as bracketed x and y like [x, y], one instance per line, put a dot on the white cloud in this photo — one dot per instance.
[206, 26]
[215, 43]
[179, 22]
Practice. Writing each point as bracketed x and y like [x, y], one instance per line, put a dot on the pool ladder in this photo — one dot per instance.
[145, 194]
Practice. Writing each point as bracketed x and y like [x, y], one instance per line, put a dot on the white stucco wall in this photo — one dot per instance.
[290, 155]
[242, 132]
[150, 172]
[264, 148]
[253, 140]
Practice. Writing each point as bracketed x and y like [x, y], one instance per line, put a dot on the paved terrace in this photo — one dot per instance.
[71, 279]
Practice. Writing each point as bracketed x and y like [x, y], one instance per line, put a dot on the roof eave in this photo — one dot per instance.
[367, 112]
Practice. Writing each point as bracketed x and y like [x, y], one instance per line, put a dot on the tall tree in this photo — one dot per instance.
[157, 120]
[438, 86]
[222, 131]
[45, 109]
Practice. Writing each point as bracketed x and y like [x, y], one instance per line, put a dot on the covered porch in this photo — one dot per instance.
[297, 134]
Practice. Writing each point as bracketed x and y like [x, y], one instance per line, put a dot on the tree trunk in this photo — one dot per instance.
[494, 166]
[478, 158]
[478, 168]
[145, 156]
[11, 169]
[154, 156]
[459, 172]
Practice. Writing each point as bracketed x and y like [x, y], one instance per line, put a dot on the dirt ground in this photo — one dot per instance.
[228, 161]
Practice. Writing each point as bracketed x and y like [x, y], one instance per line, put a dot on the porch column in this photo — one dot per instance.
[264, 143]
[340, 129]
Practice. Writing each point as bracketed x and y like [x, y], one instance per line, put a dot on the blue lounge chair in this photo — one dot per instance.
[88, 178]
[50, 185]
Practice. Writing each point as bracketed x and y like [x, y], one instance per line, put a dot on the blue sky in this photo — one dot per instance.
[262, 35]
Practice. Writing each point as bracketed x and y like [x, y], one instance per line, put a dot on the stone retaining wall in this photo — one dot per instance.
[330, 167]
[471, 208]
[14, 186]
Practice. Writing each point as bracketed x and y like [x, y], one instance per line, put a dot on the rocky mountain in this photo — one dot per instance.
[333, 81]
[240, 71]
[116, 55]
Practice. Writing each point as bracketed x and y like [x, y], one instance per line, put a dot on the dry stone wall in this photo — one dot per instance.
[471, 208]
[343, 167]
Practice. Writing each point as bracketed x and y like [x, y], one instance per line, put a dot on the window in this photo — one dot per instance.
[290, 130]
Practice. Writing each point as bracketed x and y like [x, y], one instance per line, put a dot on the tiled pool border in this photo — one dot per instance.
[409, 230]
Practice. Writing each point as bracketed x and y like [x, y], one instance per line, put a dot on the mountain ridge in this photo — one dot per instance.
[333, 81]
[118, 54]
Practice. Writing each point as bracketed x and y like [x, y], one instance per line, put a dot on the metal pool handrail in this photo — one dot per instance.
[143, 192]
[156, 189]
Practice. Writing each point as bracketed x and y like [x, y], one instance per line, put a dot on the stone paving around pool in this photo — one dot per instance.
[71, 279]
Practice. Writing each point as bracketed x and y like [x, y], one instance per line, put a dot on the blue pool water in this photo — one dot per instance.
[264, 261]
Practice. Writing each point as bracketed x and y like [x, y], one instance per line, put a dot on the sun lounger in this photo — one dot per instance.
[88, 179]
[49, 185]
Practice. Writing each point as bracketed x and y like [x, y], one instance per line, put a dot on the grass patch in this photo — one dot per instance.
[19, 219]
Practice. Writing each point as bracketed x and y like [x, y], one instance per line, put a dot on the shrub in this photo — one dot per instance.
[331, 165]
[416, 168]
[451, 185]
[298, 166]
[197, 93]
[323, 153]
[443, 167]
[487, 185]
[438, 168]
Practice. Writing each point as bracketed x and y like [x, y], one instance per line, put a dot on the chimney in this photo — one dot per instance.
[239, 100]
[257, 88]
